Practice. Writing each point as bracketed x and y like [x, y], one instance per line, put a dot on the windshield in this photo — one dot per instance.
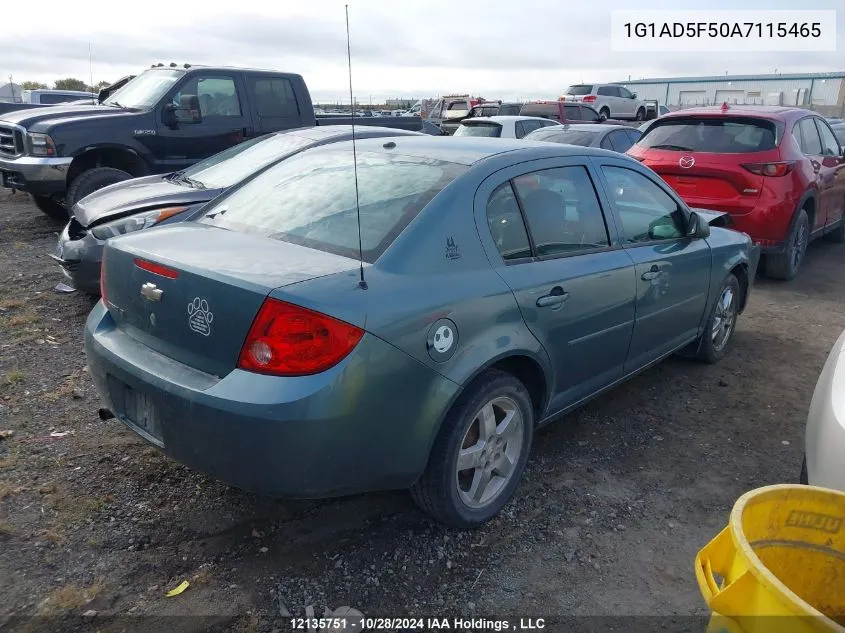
[570, 137]
[145, 90]
[236, 163]
[479, 129]
[579, 89]
[715, 135]
[309, 199]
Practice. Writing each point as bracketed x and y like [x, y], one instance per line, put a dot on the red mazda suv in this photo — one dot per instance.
[778, 171]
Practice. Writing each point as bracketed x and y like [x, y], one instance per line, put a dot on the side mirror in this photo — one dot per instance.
[633, 95]
[697, 227]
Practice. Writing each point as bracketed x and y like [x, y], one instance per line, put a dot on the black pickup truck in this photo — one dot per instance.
[165, 119]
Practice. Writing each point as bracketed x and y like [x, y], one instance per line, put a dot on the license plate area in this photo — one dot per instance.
[141, 414]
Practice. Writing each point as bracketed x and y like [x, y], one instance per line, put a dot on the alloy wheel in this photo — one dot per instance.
[490, 452]
[724, 320]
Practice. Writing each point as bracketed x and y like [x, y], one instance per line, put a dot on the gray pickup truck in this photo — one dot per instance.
[163, 120]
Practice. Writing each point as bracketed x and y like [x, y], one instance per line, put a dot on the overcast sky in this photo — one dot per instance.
[409, 48]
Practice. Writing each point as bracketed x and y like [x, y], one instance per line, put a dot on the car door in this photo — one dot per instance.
[809, 140]
[222, 119]
[543, 226]
[672, 270]
[627, 103]
[831, 174]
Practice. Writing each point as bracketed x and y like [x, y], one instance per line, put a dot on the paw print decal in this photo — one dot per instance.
[200, 317]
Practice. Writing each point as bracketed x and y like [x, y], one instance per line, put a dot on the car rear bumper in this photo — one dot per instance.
[79, 259]
[366, 424]
[35, 175]
[825, 436]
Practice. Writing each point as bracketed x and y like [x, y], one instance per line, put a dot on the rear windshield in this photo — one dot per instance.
[479, 129]
[309, 199]
[236, 163]
[716, 135]
[580, 89]
[570, 137]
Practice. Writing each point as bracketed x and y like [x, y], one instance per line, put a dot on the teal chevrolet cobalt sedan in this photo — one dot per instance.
[493, 284]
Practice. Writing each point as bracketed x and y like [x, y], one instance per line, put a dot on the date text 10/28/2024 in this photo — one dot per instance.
[360, 623]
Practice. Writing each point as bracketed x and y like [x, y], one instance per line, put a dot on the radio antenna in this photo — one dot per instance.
[362, 284]
[90, 69]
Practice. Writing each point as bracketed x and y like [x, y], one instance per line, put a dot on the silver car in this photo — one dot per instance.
[612, 100]
[824, 464]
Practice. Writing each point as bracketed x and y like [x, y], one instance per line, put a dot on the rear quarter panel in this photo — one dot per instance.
[729, 249]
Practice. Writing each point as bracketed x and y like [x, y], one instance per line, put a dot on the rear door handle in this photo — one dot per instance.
[555, 298]
[651, 274]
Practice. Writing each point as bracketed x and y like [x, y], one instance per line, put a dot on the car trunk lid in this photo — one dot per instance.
[191, 292]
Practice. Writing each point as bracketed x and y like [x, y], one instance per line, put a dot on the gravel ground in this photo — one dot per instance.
[617, 499]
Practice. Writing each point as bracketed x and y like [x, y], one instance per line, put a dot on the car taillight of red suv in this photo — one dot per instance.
[779, 172]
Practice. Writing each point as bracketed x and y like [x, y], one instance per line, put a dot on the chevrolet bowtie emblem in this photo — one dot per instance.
[151, 292]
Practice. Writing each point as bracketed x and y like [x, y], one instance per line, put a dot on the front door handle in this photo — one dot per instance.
[651, 274]
[554, 299]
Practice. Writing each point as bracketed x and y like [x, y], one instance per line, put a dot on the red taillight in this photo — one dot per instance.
[589, 98]
[103, 279]
[770, 169]
[156, 269]
[286, 340]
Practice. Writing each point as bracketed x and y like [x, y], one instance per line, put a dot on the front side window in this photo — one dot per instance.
[808, 138]
[562, 211]
[625, 93]
[310, 199]
[217, 96]
[506, 226]
[647, 212]
[830, 146]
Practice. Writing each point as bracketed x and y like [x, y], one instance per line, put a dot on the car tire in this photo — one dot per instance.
[804, 477]
[605, 111]
[784, 266]
[447, 494]
[90, 181]
[641, 114]
[50, 208]
[837, 235]
[719, 328]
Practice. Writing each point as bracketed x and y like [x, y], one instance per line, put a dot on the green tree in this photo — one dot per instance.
[70, 84]
[100, 85]
[33, 85]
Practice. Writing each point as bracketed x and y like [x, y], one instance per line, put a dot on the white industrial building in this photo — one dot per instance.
[823, 92]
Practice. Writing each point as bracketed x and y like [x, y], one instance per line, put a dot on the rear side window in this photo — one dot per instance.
[808, 137]
[606, 91]
[579, 90]
[620, 140]
[274, 97]
[506, 226]
[526, 127]
[572, 137]
[562, 211]
[732, 135]
[309, 199]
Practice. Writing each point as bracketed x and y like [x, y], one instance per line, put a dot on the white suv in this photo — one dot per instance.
[612, 100]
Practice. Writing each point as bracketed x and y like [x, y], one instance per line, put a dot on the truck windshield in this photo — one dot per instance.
[143, 92]
[236, 163]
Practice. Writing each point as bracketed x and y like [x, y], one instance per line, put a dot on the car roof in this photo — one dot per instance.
[322, 132]
[775, 113]
[506, 117]
[465, 150]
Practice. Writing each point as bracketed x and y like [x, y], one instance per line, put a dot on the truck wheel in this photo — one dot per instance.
[641, 114]
[50, 207]
[785, 265]
[479, 456]
[719, 329]
[90, 181]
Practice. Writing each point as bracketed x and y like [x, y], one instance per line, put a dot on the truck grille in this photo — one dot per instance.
[11, 141]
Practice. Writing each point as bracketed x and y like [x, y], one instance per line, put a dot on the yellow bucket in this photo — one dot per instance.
[782, 563]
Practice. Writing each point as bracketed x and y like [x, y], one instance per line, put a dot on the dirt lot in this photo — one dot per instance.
[617, 500]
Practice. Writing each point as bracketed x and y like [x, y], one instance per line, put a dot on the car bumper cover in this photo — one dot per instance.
[366, 424]
[36, 175]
